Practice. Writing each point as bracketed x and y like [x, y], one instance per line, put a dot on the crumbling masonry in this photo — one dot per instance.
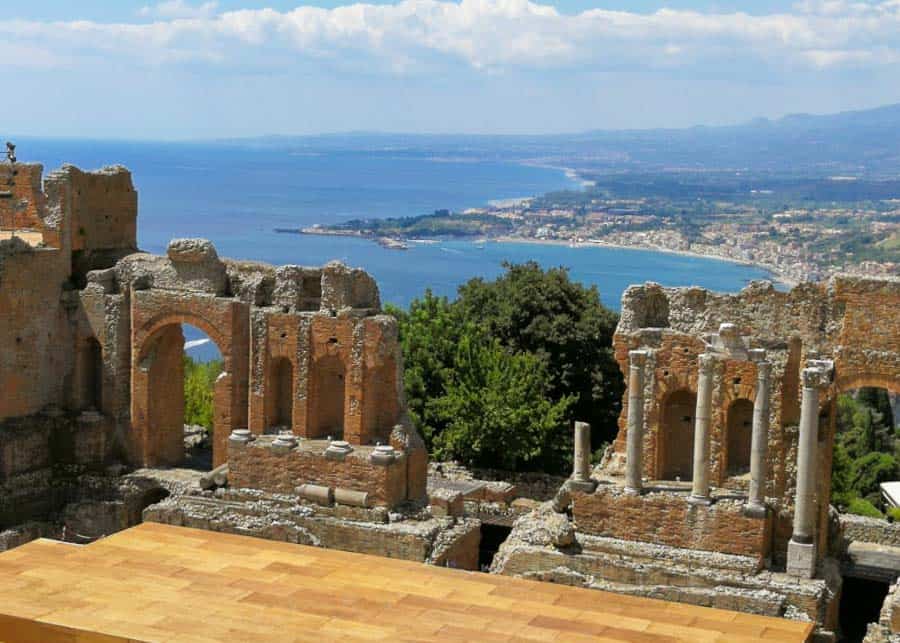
[310, 430]
[717, 489]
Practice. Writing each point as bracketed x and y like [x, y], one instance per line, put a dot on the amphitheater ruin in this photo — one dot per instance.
[714, 493]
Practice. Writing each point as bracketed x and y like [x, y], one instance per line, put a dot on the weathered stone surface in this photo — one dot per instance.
[545, 527]
[98, 339]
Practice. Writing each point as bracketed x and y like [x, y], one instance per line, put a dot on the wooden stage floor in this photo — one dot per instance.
[161, 583]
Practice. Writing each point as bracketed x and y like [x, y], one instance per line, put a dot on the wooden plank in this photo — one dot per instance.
[157, 582]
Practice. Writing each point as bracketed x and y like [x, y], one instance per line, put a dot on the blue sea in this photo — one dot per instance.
[237, 195]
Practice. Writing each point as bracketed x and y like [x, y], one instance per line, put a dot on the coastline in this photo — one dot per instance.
[776, 276]
[773, 274]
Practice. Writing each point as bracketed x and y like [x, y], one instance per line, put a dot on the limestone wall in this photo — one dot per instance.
[870, 530]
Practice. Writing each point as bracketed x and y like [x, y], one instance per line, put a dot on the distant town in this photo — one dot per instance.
[796, 239]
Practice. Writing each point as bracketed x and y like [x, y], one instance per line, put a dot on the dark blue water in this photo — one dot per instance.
[236, 196]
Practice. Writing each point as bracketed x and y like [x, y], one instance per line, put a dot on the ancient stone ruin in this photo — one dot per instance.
[714, 493]
[309, 415]
[716, 489]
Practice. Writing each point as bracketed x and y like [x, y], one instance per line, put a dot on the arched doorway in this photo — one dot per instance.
[280, 398]
[175, 393]
[677, 436]
[327, 392]
[739, 431]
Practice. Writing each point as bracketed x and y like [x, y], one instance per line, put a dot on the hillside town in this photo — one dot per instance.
[795, 245]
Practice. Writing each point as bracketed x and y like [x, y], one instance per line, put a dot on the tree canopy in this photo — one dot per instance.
[865, 451]
[497, 377]
[563, 323]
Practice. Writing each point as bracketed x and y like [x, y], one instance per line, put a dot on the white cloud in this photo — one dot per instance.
[491, 35]
[174, 9]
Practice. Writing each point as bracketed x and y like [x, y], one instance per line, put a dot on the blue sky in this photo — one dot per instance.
[180, 70]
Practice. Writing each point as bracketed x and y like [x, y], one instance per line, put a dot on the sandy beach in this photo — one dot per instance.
[777, 277]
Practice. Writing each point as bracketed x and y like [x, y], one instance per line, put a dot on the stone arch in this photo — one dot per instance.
[738, 434]
[157, 373]
[676, 435]
[166, 319]
[280, 389]
[855, 381]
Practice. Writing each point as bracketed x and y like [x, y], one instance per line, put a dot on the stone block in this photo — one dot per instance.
[801, 559]
[498, 491]
[446, 502]
[194, 266]
[297, 288]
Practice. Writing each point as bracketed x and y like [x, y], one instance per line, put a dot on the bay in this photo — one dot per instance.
[236, 195]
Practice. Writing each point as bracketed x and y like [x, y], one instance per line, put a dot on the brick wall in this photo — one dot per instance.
[23, 208]
[258, 466]
[668, 519]
[36, 355]
[103, 209]
[849, 320]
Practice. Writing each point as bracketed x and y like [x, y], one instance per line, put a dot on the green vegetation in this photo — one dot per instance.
[496, 377]
[495, 410]
[441, 223]
[865, 452]
[199, 380]
[863, 507]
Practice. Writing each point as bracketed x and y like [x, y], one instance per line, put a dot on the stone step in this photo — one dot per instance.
[649, 553]
[764, 592]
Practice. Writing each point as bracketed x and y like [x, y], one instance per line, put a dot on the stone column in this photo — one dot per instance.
[700, 488]
[635, 435]
[756, 502]
[801, 560]
[581, 473]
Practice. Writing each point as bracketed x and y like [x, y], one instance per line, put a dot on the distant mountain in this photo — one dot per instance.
[864, 144]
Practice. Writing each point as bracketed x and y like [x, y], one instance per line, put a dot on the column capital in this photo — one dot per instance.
[756, 355]
[706, 362]
[813, 377]
[763, 370]
[637, 357]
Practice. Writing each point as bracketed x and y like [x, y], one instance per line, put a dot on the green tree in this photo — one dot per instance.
[199, 382]
[429, 337]
[842, 491]
[864, 447]
[495, 410]
[564, 325]
[870, 471]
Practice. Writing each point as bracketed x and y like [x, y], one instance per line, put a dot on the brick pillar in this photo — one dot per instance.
[635, 435]
[700, 487]
[801, 559]
[756, 502]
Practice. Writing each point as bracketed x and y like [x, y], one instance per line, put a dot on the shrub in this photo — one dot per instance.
[862, 507]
